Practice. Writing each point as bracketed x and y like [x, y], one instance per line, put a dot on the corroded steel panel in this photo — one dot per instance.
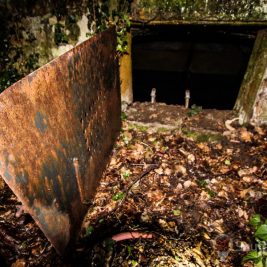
[57, 128]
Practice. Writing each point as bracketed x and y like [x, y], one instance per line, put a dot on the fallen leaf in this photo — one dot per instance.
[245, 135]
[19, 263]
[180, 169]
[168, 171]
[191, 158]
[246, 172]
[159, 171]
[187, 184]
[204, 147]
[259, 130]
[2, 183]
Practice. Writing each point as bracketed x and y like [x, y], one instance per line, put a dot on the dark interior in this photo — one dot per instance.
[210, 61]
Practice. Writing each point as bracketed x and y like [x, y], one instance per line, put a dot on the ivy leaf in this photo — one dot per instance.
[255, 220]
[261, 232]
[252, 256]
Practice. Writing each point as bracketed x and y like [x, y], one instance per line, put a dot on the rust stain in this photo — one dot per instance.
[57, 129]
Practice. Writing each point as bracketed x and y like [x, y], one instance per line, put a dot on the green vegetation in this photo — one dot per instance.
[204, 184]
[259, 255]
[118, 196]
[60, 36]
[202, 137]
[123, 24]
[89, 230]
[123, 116]
[195, 110]
[126, 174]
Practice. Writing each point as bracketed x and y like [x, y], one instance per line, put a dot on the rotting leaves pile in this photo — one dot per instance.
[194, 195]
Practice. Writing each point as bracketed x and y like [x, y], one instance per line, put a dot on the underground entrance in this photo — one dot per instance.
[208, 60]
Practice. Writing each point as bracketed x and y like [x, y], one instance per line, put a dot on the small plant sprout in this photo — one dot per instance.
[126, 174]
[118, 196]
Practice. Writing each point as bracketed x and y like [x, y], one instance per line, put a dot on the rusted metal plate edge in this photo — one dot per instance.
[57, 128]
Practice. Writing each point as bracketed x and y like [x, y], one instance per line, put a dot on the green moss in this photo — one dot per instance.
[32, 62]
[73, 28]
[201, 9]
[142, 128]
[60, 36]
[202, 137]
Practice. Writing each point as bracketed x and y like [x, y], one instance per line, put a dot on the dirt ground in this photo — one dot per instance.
[180, 189]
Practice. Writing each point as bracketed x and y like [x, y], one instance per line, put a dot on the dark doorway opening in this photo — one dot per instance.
[210, 61]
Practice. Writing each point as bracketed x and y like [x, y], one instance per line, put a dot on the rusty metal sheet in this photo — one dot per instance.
[57, 128]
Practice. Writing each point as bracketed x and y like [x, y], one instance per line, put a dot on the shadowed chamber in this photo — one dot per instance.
[210, 61]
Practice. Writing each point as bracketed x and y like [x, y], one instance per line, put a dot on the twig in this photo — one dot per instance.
[138, 178]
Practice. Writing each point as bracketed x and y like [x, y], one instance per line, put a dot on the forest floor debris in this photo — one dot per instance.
[191, 188]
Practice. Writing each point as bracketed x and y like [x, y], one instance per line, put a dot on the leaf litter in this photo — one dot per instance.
[175, 194]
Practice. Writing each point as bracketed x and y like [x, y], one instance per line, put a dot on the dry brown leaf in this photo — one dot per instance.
[245, 135]
[191, 158]
[2, 183]
[264, 184]
[19, 263]
[180, 169]
[223, 194]
[244, 192]
[259, 130]
[159, 171]
[219, 146]
[246, 172]
[187, 184]
[247, 179]
[204, 147]
[168, 171]
[229, 151]
[224, 169]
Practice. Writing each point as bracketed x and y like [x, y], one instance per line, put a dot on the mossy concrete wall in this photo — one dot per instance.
[215, 10]
[34, 32]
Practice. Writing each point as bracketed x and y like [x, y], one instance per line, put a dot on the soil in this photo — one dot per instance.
[180, 189]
